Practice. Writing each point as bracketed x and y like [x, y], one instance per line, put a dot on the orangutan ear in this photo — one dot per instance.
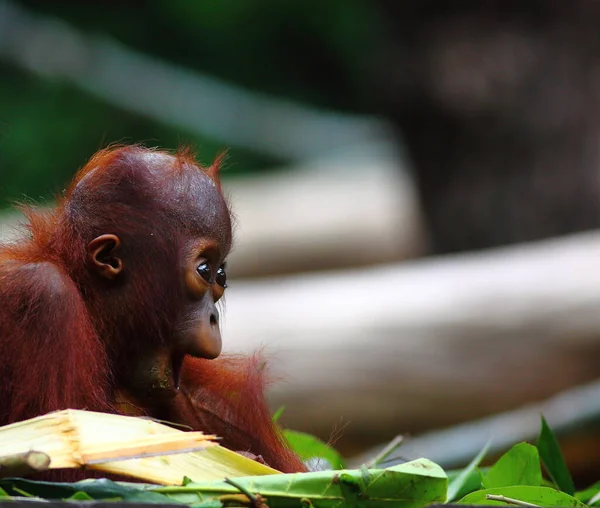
[103, 256]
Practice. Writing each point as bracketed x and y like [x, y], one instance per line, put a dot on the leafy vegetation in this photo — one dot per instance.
[309, 448]
[516, 478]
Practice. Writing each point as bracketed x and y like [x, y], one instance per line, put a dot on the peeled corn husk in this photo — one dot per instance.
[131, 446]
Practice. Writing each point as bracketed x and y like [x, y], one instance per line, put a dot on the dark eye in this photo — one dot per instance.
[204, 272]
[221, 278]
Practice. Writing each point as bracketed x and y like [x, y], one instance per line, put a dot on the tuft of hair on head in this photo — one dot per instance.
[214, 170]
[101, 158]
[187, 155]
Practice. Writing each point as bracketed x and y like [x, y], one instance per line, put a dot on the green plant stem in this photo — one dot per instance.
[509, 500]
[383, 454]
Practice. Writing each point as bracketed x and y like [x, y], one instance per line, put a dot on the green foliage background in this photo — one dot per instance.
[317, 53]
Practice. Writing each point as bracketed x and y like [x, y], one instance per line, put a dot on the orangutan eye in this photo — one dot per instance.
[204, 272]
[221, 278]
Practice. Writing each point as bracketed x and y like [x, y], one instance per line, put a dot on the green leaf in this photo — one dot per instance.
[213, 503]
[411, 485]
[96, 489]
[595, 501]
[309, 448]
[553, 459]
[541, 496]
[458, 486]
[586, 495]
[278, 413]
[471, 483]
[518, 466]
[80, 496]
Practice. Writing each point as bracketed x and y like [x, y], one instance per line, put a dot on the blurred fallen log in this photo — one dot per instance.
[311, 216]
[9, 222]
[424, 344]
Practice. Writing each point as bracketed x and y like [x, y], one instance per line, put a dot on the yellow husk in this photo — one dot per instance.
[131, 446]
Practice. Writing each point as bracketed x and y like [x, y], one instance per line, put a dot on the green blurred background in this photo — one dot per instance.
[315, 53]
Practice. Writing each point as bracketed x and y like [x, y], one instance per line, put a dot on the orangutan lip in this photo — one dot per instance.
[176, 363]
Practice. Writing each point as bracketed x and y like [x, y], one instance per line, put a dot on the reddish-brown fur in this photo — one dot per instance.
[59, 334]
